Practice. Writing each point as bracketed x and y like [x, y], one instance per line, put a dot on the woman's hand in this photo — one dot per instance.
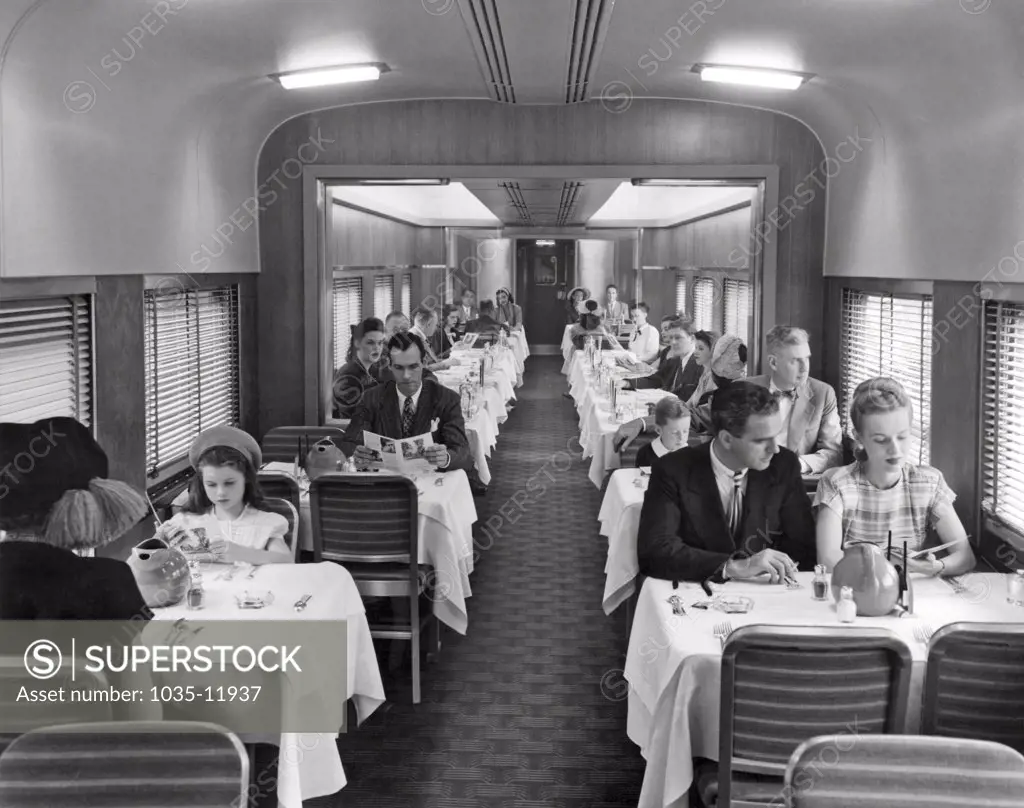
[926, 565]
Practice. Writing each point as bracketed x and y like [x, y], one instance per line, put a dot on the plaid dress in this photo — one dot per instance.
[868, 513]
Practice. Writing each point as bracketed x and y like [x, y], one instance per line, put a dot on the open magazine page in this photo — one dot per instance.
[406, 456]
[468, 340]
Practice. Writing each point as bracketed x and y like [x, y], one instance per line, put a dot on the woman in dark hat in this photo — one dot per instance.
[507, 311]
[56, 501]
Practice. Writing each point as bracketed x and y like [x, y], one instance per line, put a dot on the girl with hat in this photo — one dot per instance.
[507, 311]
[55, 503]
[223, 520]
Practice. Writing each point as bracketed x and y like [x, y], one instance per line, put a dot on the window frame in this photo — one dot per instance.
[173, 468]
[358, 280]
[13, 290]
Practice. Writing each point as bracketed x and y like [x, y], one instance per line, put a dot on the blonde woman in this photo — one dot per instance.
[882, 491]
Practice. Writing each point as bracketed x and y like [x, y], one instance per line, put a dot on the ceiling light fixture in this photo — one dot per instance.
[324, 76]
[545, 242]
[672, 183]
[418, 181]
[752, 76]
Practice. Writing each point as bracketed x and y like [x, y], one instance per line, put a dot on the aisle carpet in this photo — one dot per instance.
[528, 709]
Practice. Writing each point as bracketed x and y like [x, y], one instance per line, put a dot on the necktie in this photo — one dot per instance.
[408, 414]
[736, 507]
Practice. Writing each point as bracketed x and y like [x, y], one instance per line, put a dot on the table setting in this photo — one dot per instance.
[673, 664]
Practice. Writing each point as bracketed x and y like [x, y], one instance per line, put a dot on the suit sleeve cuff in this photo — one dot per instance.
[447, 462]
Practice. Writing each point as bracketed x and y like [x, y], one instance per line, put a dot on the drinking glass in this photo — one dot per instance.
[1015, 588]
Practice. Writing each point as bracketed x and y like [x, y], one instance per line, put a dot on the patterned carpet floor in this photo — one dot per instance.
[527, 710]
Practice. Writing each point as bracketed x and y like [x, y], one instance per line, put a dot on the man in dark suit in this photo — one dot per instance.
[810, 414]
[679, 373]
[732, 508]
[485, 325]
[409, 405]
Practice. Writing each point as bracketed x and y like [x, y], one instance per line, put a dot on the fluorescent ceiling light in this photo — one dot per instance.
[323, 76]
[671, 183]
[752, 77]
[419, 181]
[543, 242]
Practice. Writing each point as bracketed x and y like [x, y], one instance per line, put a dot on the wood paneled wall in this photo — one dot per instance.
[484, 133]
[365, 239]
[719, 240]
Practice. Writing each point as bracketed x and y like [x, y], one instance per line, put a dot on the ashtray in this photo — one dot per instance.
[733, 604]
[254, 600]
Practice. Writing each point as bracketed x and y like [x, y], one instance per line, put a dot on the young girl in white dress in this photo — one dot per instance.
[223, 520]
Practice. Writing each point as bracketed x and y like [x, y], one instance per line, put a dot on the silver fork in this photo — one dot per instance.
[957, 584]
[722, 631]
[923, 634]
[252, 572]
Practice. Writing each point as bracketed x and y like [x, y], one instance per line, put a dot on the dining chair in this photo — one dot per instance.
[279, 485]
[21, 716]
[784, 684]
[283, 443]
[160, 764]
[974, 683]
[370, 523]
[903, 771]
[289, 512]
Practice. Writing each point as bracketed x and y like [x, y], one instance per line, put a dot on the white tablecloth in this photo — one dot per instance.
[520, 348]
[674, 663]
[309, 765]
[483, 436]
[446, 517]
[620, 519]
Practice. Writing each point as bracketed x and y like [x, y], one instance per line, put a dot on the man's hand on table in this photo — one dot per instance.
[778, 565]
[437, 455]
[627, 433]
[366, 458]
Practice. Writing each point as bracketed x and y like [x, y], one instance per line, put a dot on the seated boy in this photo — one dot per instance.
[672, 423]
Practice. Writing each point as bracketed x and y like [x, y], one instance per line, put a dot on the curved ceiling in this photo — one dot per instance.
[145, 119]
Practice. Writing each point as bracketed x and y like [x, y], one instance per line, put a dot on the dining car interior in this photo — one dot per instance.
[511, 403]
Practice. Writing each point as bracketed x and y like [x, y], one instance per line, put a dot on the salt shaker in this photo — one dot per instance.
[196, 596]
[846, 608]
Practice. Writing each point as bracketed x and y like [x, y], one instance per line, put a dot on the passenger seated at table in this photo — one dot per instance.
[883, 491]
[614, 309]
[424, 327]
[485, 324]
[507, 311]
[223, 518]
[809, 408]
[644, 342]
[728, 364]
[590, 325]
[467, 310]
[573, 303]
[362, 370]
[395, 323]
[679, 374]
[409, 405]
[448, 334]
[60, 506]
[732, 508]
[671, 422]
[703, 352]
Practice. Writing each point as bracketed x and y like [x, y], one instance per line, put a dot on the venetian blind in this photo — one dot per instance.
[1002, 418]
[407, 294]
[680, 294]
[348, 312]
[704, 303]
[889, 335]
[191, 355]
[736, 307]
[46, 359]
[383, 296]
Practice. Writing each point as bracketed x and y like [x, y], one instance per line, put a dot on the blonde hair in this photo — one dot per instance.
[82, 520]
[878, 395]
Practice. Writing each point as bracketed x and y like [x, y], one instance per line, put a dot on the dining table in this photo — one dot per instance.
[673, 664]
[447, 513]
[309, 764]
[619, 520]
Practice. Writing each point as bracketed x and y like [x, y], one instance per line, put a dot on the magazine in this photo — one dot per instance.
[405, 456]
[468, 340]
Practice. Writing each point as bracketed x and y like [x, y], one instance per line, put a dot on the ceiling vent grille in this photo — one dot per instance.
[567, 204]
[484, 28]
[589, 30]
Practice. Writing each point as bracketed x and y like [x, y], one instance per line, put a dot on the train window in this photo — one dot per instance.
[407, 294]
[680, 294]
[889, 335]
[383, 296]
[191, 356]
[46, 359]
[704, 304]
[736, 307]
[348, 311]
[1002, 429]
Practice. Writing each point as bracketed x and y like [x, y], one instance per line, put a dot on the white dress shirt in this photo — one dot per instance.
[645, 343]
[786, 409]
[658, 447]
[723, 478]
[415, 406]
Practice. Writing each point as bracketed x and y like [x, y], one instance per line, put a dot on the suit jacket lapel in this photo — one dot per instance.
[424, 410]
[391, 418]
[803, 409]
[702, 483]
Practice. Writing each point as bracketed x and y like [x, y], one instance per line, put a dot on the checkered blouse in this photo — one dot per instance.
[869, 513]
